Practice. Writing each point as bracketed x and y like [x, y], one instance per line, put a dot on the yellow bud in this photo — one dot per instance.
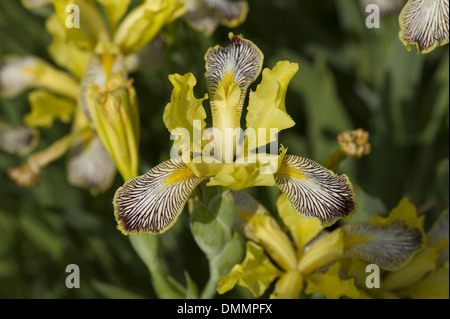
[114, 112]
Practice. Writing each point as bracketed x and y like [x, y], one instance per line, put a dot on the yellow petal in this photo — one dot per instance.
[302, 229]
[288, 286]
[315, 191]
[46, 107]
[425, 24]
[90, 19]
[266, 107]
[114, 10]
[226, 121]
[265, 230]
[152, 202]
[144, 22]
[331, 285]
[64, 52]
[404, 211]
[239, 176]
[255, 273]
[184, 108]
[326, 249]
[416, 269]
[19, 74]
[432, 286]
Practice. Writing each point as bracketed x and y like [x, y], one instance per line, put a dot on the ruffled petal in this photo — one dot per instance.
[184, 108]
[256, 272]
[266, 108]
[153, 201]
[425, 24]
[331, 285]
[315, 191]
[46, 107]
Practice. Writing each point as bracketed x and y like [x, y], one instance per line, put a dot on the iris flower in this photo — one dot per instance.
[310, 254]
[424, 23]
[96, 94]
[153, 201]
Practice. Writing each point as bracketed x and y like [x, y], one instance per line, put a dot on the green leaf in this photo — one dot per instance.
[210, 224]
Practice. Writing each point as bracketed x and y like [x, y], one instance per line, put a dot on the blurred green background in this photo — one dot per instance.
[350, 77]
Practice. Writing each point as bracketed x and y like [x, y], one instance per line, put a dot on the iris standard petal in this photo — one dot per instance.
[240, 62]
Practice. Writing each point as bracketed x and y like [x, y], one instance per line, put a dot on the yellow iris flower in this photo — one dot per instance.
[309, 256]
[153, 201]
[96, 94]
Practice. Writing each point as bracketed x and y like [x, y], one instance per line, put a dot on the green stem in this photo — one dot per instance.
[333, 161]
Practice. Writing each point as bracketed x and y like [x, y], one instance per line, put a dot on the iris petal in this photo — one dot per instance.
[315, 191]
[240, 62]
[90, 165]
[390, 247]
[153, 201]
[424, 23]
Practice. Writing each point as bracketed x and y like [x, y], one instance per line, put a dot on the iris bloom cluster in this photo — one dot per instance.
[302, 257]
[152, 202]
[96, 94]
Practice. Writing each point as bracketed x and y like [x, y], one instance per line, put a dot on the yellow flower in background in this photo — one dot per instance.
[424, 23]
[96, 55]
[153, 201]
[312, 257]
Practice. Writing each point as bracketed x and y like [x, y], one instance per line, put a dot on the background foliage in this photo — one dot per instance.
[350, 77]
